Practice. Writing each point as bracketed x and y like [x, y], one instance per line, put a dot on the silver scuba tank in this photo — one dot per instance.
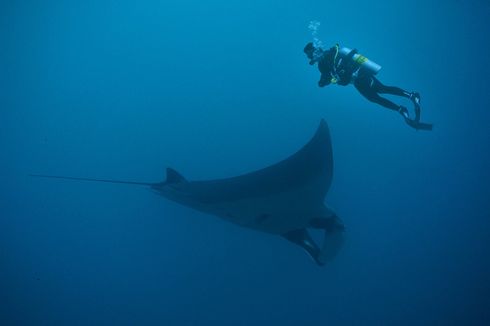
[363, 62]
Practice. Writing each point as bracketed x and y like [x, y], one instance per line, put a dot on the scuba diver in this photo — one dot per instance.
[343, 66]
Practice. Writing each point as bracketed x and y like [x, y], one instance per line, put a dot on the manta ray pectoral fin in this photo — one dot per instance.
[302, 238]
[174, 177]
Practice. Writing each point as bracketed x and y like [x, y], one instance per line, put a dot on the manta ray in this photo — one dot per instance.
[284, 199]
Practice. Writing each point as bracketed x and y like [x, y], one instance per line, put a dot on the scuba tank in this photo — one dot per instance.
[361, 60]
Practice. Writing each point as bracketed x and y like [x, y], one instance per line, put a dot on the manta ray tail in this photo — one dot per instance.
[91, 179]
[172, 177]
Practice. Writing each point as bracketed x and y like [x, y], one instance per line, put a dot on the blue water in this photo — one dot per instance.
[123, 89]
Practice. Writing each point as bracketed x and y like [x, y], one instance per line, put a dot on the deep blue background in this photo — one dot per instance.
[122, 89]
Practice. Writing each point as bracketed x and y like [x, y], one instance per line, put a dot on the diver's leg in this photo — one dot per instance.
[302, 238]
[392, 90]
[413, 96]
[368, 88]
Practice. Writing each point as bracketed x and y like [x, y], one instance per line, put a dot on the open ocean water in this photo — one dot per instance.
[124, 89]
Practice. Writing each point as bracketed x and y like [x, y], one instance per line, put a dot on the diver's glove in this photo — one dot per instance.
[323, 82]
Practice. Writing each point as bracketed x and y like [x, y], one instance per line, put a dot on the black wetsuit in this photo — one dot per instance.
[345, 70]
[370, 87]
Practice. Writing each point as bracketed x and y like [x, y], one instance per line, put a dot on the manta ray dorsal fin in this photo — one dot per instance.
[174, 177]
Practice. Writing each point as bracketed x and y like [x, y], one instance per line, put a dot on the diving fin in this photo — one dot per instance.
[417, 125]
